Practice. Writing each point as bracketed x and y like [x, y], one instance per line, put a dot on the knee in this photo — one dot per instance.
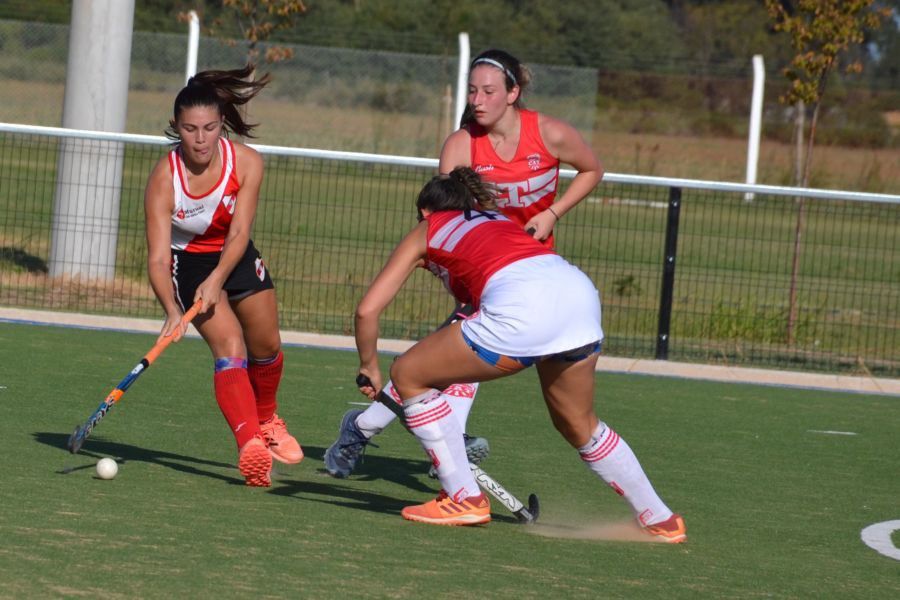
[231, 346]
[404, 377]
[264, 351]
[398, 376]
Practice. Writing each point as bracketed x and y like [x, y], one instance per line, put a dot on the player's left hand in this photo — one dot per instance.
[542, 224]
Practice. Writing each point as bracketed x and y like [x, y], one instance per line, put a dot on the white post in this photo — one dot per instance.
[193, 43]
[462, 80]
[759, 79]
[89, 173]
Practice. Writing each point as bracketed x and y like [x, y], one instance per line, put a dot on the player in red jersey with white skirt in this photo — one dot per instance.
[200, 203]
[519, 151]
[532, 308]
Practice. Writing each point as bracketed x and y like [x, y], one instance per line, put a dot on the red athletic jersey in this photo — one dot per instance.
[200, 222]
[466, 247]
[528, 182]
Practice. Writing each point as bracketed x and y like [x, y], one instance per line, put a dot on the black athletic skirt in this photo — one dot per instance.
[190, 269]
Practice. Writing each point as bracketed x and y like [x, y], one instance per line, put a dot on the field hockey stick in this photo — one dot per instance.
[83, 431]
[526, 515]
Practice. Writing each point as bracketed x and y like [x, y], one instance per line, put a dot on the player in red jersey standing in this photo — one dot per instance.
[200, 203]
[532, 309]
[519, 151]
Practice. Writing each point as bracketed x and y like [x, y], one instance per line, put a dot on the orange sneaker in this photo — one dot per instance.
[255, 463]
[474, 510]
[282, 445]
[670, 531]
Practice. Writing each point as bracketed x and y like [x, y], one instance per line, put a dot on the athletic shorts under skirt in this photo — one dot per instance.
[536, 307]
[190, 269]
[511, 364]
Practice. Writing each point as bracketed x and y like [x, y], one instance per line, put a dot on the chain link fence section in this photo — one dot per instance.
[327, 221]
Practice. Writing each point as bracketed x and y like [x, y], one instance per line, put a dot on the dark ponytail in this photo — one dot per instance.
[462, 189]
[225, 90]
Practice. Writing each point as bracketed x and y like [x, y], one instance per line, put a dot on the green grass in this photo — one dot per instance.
[773, 509]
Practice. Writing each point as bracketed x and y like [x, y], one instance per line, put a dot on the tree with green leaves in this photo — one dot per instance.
[821, 33]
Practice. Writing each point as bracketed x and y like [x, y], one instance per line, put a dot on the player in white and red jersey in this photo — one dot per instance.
[200, 203]
[518, 151]
[534, 308]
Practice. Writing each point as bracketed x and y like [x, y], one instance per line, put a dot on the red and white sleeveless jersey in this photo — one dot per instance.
[527, 183]
[200, 223]
[466, 247]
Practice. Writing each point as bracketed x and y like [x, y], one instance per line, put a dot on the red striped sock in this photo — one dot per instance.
[432, 421]
[610, 457]
[234, 394]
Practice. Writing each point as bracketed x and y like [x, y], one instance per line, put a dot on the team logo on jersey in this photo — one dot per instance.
[228, 201]
[534, 161]
[260, 269]
[483, 168]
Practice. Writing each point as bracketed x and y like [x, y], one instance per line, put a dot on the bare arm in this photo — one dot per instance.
[564, 142]
[408, 255]
[456, 151]
[158, 204]
[249, 166]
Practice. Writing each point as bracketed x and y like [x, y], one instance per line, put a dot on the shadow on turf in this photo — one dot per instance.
[409, 473]
[97, 448]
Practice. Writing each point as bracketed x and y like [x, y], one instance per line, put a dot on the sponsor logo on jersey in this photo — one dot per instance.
[191, 212]
[483, 168]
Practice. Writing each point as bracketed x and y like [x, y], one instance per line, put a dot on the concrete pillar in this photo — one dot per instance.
[89, 173]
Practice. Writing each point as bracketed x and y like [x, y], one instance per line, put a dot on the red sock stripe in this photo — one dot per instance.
[603, 450]
[429, 416]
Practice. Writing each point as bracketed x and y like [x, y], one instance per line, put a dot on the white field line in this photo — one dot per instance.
[609, 364]
[878, 538]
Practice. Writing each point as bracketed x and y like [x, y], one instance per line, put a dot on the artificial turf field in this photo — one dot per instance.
[774, 506]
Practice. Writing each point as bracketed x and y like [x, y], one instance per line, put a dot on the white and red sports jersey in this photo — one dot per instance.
[466, 247]
[527, 183]
[200, 222]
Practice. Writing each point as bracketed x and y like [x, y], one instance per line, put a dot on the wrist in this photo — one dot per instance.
[553, 212]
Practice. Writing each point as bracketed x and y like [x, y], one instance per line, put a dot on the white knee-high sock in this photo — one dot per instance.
[607, 455]
[460, 396]
[431, 420]
[377, 416]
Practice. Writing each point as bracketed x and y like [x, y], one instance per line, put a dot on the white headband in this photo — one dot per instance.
[497, 64]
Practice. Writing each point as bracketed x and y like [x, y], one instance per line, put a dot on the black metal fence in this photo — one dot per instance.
[688, 270]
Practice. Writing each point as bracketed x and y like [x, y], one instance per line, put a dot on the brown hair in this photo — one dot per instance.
[225, 90]
[462, 189]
